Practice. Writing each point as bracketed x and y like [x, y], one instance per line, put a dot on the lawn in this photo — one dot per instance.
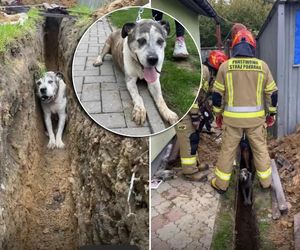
[10, 32]
[179, 78]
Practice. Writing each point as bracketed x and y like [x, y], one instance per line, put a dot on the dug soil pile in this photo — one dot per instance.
[282, 231]
[66, 3]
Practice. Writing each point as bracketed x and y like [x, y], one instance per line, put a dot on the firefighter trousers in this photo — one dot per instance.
[258, 142]
[183, 131]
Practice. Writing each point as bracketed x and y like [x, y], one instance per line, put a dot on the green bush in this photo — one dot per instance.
[251, 13]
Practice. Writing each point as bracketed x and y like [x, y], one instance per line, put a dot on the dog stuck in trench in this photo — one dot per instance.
[51, 90]
[245, 177]
[138, 50]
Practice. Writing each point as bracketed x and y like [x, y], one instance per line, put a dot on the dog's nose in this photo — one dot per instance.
[152, 60]
[43, 90]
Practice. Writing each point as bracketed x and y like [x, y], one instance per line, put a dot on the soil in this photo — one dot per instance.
[287, 147]
[67, 3]
[209, 153]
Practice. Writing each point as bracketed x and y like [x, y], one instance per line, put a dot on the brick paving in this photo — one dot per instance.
[183, 214]
[102, 91]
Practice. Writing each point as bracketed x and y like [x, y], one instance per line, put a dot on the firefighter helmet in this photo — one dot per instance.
[236, 28]
[216, 58]
[244, 35]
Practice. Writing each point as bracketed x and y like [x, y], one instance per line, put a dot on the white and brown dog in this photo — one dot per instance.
[51, 89]
[138, 50]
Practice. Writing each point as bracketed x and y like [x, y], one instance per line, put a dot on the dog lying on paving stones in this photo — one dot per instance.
[138, 50]
[51, 89]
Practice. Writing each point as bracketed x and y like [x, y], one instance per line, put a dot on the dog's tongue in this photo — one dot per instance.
[150, 74]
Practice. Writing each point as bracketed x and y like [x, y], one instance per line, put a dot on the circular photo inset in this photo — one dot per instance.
[136, 71]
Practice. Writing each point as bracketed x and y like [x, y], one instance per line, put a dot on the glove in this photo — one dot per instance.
[219, 121]
[270, 120]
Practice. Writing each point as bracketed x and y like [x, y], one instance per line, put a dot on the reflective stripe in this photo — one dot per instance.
[195, 106]
[244, 109]
[230, 88]
[219, 86]
[272, 109]
[205, 86]
[216, 109]
[259, 88]
[223, 176]
[264, 174]
[244, 115]
[189, 161]
[270, 86]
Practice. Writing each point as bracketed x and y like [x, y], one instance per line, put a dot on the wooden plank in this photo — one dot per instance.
[297, 231]
[275, 208]
[276, 183]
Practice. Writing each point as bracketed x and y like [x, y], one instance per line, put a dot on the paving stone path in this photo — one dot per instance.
[102, 91]
[183, 215]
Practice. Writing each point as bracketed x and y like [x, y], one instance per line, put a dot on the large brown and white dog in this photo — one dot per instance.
[138, 50]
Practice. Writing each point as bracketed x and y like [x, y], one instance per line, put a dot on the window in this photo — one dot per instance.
[297, 39]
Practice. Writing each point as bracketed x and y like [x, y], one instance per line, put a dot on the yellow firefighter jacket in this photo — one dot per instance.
[245, 87]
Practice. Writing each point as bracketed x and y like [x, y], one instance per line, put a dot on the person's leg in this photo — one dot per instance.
[230, 142]
[262, 162]
[180, 50]
[157, 15]
[189, 161]
[179, 29]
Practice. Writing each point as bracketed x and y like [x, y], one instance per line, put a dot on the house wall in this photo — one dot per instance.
[276, 47]
[190, 20]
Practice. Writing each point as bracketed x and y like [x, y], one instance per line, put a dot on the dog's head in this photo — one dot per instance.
[47, 86]
[244, 174]
[147, 40]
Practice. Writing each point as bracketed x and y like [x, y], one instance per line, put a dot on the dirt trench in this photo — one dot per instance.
[63, 199]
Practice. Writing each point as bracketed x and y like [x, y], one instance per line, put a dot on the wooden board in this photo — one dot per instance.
[275, 208]
[297, 231]
[276, 184]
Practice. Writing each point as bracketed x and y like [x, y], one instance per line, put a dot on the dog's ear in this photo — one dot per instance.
[165, 25]
[127, 28]
[60, 75]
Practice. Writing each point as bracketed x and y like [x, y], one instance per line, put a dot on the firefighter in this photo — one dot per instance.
[244, 99]
[189, 127]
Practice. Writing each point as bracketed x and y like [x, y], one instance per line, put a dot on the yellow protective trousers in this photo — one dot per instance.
[230, 143]
[183, 131]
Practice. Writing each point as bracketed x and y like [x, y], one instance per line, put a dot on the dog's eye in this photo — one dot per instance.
[141, 41]
[160, 41]
[38, 83]
[50, 81]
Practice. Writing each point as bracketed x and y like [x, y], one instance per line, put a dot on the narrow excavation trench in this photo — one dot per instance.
[247, 235]
[51, 223]
[63, 199]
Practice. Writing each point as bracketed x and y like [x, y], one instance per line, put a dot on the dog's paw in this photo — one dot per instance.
[97, 63]
[139, 114]
[171, 117]
[51, 144]
[60, 144]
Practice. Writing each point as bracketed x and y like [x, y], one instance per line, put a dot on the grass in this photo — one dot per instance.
[10, 33]
[223, 237]
[263, 207]
[83, 14]
[179, 79]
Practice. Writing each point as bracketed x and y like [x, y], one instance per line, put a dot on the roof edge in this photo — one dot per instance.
[269, 17]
